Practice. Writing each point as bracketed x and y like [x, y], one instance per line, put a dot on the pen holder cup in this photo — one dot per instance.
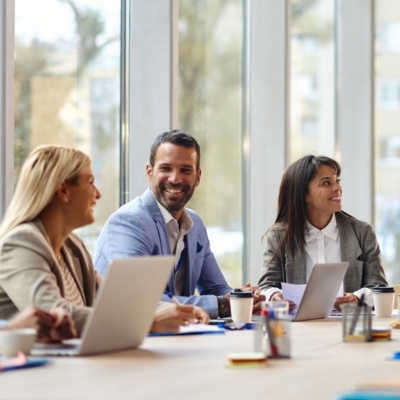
[356, 322]
[277, 337]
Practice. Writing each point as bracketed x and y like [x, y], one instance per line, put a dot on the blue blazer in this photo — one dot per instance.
[138, 229]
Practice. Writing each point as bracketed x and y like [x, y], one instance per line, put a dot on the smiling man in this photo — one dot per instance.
[157, 223]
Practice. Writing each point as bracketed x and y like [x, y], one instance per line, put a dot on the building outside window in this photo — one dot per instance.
[67, 88]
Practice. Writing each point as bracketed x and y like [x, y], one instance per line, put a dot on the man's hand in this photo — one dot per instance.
[201, 315]
[171, 317]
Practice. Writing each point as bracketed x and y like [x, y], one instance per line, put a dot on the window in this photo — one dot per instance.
[67, 73]
[312, 78]
[387, 135]
[210, 108]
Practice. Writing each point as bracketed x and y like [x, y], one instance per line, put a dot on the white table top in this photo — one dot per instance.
[194, 367]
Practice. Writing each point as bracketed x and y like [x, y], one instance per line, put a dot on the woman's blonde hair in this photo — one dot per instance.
[42, 173]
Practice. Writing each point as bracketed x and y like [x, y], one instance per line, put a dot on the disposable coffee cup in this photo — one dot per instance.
[383, 300]
[241, 306]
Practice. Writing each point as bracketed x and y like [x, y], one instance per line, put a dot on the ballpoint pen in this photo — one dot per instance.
[271, 337]
[359, 308]
[173, 298]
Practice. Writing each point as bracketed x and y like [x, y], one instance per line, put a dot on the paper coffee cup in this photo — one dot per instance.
[15, 340]
[241, 306]
[383, 300]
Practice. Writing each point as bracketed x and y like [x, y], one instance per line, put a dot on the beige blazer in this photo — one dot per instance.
[31, 275]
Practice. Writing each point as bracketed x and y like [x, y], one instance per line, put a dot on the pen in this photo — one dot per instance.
[178, 303]
[271, 338]
[175, 300]
[356, 315]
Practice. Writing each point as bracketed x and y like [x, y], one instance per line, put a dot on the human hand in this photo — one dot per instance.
[35, 318]
[201, 315]
[172, 316]
[63, 326]
[246, 288]
[346, 298]
[258, 298]
[278, 296]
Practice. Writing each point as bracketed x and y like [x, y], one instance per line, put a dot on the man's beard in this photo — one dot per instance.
[170, 205]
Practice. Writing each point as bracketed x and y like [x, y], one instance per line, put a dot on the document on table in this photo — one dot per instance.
[193, 329]
[293, 292]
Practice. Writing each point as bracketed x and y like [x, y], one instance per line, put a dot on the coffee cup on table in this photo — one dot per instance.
[383, 300]
[241, 306]
[13, 341]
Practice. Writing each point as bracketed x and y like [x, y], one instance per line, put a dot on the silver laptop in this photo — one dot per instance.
[321, 291]
[124, 308]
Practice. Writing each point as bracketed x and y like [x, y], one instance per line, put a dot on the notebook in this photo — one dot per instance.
[321, 291]
[124, 308]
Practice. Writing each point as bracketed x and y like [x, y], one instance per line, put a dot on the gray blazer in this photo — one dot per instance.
[31, 275]
[358, 246]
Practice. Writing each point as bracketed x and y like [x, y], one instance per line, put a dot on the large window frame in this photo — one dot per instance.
[7, 14]
[150, 96]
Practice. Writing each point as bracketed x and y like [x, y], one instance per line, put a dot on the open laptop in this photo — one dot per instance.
[321, 291]
[124, 308]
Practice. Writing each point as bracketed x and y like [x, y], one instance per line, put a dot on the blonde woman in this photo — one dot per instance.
[42, 263]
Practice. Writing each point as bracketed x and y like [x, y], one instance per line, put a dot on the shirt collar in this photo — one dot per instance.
[330, 231]
[185, 220]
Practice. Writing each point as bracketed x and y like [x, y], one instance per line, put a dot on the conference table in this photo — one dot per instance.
[321, 366]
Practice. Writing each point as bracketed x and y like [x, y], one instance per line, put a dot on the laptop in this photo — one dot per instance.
[123, 311]
[321, 291]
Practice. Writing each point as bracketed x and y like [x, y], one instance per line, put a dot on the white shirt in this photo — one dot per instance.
[176, 231]
[322, 246]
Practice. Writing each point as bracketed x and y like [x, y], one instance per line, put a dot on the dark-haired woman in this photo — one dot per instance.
[311, 228]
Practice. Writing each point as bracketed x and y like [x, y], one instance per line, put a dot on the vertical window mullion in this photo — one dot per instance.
[7, 11]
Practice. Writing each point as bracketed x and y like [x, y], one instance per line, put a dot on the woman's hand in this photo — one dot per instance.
[278, 296]
[346, 298]
[35, 318]
[51, 327]
[63, 326]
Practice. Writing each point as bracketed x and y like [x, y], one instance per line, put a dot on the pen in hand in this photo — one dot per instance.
[178, 303]
[175, 300]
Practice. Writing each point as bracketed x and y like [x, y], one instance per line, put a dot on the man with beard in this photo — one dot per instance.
[157, 223]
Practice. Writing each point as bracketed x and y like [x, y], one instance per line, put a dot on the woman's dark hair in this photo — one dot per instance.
[292, 198]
